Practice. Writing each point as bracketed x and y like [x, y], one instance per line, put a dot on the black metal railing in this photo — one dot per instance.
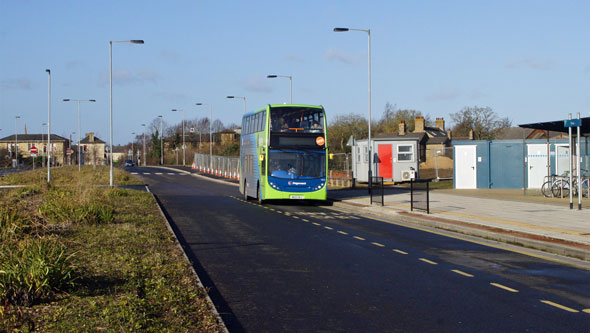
[420, 194]
[376, 190]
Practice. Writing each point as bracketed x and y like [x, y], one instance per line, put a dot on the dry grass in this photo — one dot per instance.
[113, 265]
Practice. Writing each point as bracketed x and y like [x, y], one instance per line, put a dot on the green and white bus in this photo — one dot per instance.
[283, 153]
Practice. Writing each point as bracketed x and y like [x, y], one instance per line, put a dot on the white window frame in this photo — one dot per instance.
[411, 152]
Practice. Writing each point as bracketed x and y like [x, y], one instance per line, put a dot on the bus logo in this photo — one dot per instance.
[320, 141]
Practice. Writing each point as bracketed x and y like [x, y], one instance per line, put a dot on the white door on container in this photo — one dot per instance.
[562, 156]
[537, 164]
[465, 167]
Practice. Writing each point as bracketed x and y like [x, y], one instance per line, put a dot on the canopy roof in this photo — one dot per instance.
[558, 126]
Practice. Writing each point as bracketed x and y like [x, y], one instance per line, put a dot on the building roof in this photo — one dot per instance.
[559, 126]
[33, 137]
[86, 140]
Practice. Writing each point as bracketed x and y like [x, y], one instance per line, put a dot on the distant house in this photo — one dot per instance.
[93, 150]
[432, 140]
[27, 141]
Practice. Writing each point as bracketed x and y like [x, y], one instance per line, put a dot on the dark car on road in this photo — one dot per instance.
[129, 163]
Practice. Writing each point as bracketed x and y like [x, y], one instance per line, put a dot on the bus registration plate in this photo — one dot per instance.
[296, 197]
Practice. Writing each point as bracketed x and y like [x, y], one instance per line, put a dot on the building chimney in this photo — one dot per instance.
[449, 134]
[470, 134]
[90, 136]
[401, 128]
[419, 125]
[440, 123]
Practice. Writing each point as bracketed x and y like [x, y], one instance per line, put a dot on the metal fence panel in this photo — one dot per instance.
[376, 190]
[420, 194]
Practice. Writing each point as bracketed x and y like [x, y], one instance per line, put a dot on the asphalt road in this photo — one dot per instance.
[289, 266]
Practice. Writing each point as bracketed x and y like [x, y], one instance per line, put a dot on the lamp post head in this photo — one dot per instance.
[17, 117]
[66, 99]
[136, 41]
[48, 71]
[173, 110]
[198, 103]
[231, 96]
[92, 100]
[271, 76]
[340, 29]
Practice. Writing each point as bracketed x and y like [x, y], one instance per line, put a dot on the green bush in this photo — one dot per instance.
[32, 269]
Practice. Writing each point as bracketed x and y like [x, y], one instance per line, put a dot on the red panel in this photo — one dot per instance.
[385, 167]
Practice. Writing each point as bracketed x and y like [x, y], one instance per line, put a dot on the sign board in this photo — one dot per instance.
[33, 155]
[572, 123]
[192, 130]
[69, 151]
[33, 150]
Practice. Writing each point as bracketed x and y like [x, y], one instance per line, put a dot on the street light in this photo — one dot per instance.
[43, 143]
[183, 145]
[144, 161]
[290, 84]
[132, 147]
[161, 141]
[210, 135]
[79, 130]
[368, 31]
[48, 125]
[133, 41]
[244, 98]
[16, 139]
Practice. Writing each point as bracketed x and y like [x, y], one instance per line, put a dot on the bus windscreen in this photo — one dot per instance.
[297, 120]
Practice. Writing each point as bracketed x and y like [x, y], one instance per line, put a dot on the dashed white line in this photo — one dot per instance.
[343, 232]
[428, 261]
[377, 244]
[461, 273]
[559, 306]
[329, 228]
[359, 238]
[399, 251]
[504, 287]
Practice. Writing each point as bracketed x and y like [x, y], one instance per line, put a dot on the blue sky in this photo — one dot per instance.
[527, 60]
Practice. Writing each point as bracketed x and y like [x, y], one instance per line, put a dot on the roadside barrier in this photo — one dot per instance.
[222, 166]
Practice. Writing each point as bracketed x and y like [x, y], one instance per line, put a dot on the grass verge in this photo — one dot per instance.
[77, 257]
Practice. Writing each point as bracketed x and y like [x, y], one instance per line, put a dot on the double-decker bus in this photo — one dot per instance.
[283, 153]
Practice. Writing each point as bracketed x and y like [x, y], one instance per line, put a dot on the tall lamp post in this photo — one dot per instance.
[16, 118]
[79, 130]
[133, 41]
[48, 125]
[161, 141]
[132, 147]
[368, 31]
[43, 143]
[210, 134]
[183, 145]
[244, 98]
[144, 161]
[290, 84]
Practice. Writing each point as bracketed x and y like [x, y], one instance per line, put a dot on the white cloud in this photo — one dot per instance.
[294, 58]
[126, 77]
[20, 83]
[258, 84]
[530, 62]
[336, 55]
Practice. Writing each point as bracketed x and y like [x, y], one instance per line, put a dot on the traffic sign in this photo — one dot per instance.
[33, 150]
[69, 151]
[572, 123]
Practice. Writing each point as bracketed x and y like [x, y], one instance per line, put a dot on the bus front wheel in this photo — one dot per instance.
[258, 195]
[245, 191]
